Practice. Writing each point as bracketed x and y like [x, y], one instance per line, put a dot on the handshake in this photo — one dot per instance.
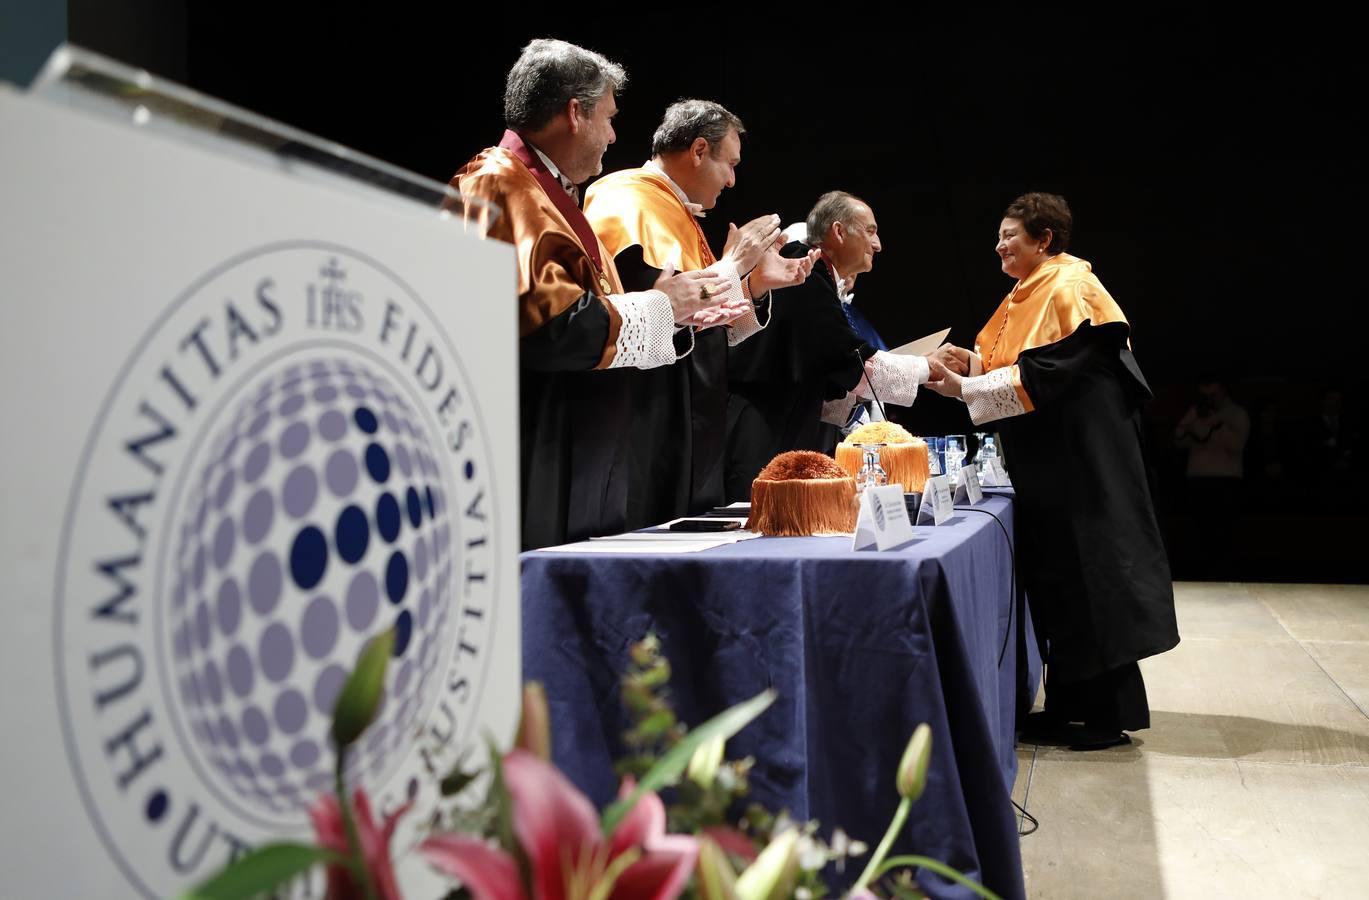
[948, 363]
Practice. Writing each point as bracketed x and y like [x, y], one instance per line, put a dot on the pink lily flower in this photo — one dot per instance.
[375, 846]
[558, 830]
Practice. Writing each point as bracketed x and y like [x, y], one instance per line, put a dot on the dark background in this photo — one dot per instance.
[1212, 158]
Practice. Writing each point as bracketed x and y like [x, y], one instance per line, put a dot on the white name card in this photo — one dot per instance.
[994, 473]
[937, 504]
[968, 490]
[882, 522]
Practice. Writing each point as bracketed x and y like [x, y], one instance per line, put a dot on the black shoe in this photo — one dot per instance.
[1091, 739]
[1045, 729]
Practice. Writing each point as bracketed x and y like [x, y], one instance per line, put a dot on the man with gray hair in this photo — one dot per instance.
[809, 367]
[647, 218]
[573, 313]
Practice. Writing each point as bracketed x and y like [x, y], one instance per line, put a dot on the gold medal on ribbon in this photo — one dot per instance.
[604, 285]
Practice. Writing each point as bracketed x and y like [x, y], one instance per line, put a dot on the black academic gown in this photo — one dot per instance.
[780, 378]
[679, 419]
[573, 413]
[574, 475]
[1089, 548]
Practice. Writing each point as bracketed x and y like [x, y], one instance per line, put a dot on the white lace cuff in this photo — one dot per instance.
[896, 377]
[992, 396]
[727, 268]
[647, 336]
[750, 323]
[740, 329]
[838, 412]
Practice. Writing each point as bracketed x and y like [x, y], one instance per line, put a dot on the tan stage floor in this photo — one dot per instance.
[1253, 779]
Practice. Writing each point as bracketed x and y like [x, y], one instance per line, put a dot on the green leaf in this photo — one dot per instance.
[656, 676]
[703, 765]
[669, 767]
[498, 799]
[263, 869]
[940, 868]
[656, 724]
[360, 697]
[638, 696]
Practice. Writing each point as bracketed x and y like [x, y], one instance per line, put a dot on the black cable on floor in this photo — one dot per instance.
[1012, 582]
[1012, 604]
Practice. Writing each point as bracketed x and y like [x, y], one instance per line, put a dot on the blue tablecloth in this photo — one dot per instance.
[862, 646]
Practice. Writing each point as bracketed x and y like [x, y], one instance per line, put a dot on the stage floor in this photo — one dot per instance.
[1253, 779]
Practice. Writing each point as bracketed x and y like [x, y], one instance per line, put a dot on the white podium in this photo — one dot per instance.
[259, 405]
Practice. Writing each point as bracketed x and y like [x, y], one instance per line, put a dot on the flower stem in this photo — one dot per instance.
[360, 872]
[900, 816]
[940, 868]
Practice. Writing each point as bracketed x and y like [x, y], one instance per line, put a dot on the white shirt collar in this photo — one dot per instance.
[551, 167]
[844, 295]
[694, 209]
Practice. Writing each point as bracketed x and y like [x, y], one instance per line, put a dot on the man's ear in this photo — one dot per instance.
[698, 150]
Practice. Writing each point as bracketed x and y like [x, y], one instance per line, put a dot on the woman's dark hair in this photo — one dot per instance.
[1038, 212]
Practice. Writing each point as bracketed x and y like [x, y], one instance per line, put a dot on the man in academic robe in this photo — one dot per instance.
[575, 319]
[808, 366]
[860, 323]
[647, 219]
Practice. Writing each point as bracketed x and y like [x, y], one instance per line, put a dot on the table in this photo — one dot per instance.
[862, 646]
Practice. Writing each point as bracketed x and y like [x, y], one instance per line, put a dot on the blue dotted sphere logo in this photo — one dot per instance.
[315, 520]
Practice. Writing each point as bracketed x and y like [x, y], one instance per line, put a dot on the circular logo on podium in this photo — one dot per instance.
[289, 464]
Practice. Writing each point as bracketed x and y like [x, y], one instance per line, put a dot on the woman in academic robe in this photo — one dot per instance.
[1054, 373]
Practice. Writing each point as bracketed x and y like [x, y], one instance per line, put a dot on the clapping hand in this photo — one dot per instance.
[721, 314]
[774, 271]
[691, 292]
[746, 245]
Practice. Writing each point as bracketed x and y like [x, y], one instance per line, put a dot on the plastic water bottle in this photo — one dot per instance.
[955, 454]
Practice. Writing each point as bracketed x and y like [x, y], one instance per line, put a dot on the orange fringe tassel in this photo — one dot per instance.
[905, 464]
[801, 507]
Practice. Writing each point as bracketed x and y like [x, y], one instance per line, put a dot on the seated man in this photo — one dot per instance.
[809, 367]
[573, 313]
[647, 219]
